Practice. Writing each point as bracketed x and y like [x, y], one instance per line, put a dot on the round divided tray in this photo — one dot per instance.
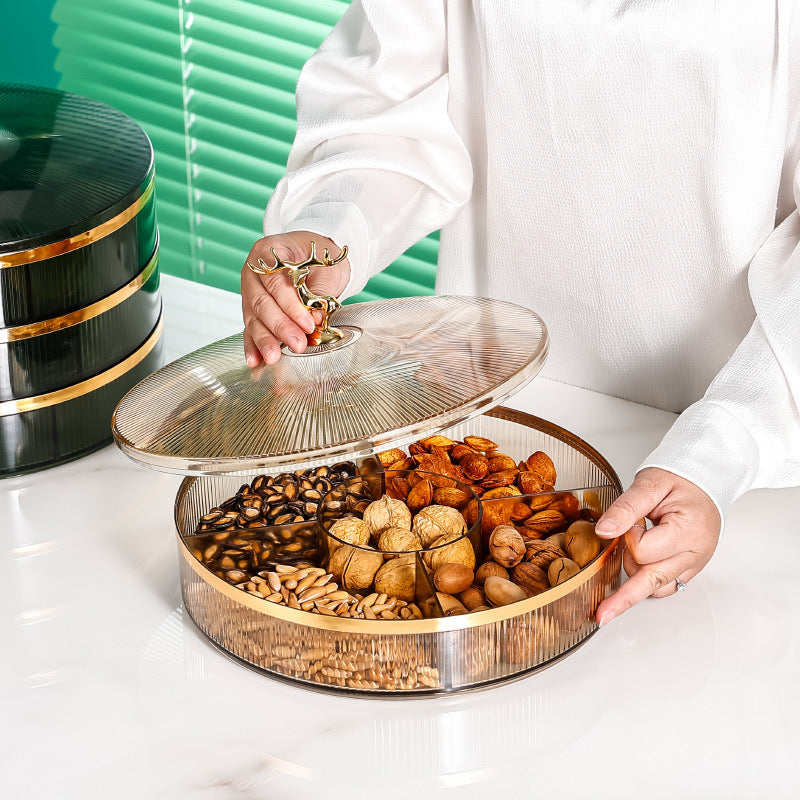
[395, 658]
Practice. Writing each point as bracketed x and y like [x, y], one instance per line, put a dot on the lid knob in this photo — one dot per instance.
[298, 272]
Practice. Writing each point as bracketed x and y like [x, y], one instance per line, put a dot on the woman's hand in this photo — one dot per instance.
[679, 545]
[271, 309]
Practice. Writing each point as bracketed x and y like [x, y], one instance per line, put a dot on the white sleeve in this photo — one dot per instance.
[745, 432]
[376, 163]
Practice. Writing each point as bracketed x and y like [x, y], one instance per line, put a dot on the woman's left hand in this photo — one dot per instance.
[681, 542]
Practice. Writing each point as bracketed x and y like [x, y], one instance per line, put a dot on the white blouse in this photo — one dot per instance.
[628, 169]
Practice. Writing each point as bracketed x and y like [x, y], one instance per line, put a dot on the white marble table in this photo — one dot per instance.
[108, 691]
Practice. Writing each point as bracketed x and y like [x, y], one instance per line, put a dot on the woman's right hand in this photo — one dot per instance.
[271, 310]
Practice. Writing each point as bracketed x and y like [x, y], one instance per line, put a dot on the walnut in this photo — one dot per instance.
[359, 571]
[531, 578]
[435, 521]
[506, 545]
[399, 540]
[386, 513]
[452, 548]
[348, 529]
[398, 578]
[542, 552]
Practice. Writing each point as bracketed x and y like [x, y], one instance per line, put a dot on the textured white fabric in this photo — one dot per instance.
[626, 168]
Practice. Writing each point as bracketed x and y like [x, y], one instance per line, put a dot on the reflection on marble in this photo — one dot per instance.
[108, 690]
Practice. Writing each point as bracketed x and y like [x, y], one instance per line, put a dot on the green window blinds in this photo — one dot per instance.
[212, 82]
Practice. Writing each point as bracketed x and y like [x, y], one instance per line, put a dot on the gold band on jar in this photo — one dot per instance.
[80, 239]
[82, 314]
[9, 407]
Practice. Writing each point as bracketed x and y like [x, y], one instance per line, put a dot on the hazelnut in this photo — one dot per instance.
[506, 545]
[489, 569]
[472, 598]
[583, 544]
[531, 578]
[453, 578]
[435, 521]
[398, 578]
[452, 548]
[386, 513]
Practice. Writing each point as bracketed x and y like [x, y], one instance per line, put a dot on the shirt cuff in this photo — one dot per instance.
[344, 224]
[711, 446]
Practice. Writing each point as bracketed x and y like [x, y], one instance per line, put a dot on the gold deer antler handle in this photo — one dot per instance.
[298, 272]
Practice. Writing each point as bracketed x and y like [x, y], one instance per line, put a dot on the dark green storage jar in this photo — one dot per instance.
[80, 308]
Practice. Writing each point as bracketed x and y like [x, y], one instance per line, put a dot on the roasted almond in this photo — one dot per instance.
[390, 456]
[480, 443]
[451, 496]
[542, 465]
[474, 466]
[500, 461]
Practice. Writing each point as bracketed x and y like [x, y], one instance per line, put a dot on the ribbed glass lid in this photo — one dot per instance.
[407, 368]
[67, 164]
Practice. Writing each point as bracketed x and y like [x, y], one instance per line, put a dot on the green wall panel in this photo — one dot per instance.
[212, 82]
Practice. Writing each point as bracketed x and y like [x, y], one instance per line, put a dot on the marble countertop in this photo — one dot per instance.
[108, 690]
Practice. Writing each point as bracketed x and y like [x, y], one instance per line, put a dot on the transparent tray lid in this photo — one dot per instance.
[404, 369]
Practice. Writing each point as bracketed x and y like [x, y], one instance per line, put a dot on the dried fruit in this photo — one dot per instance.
[453, 578]
[506, 545]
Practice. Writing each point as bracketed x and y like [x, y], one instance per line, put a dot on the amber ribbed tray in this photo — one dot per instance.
[411, 657]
